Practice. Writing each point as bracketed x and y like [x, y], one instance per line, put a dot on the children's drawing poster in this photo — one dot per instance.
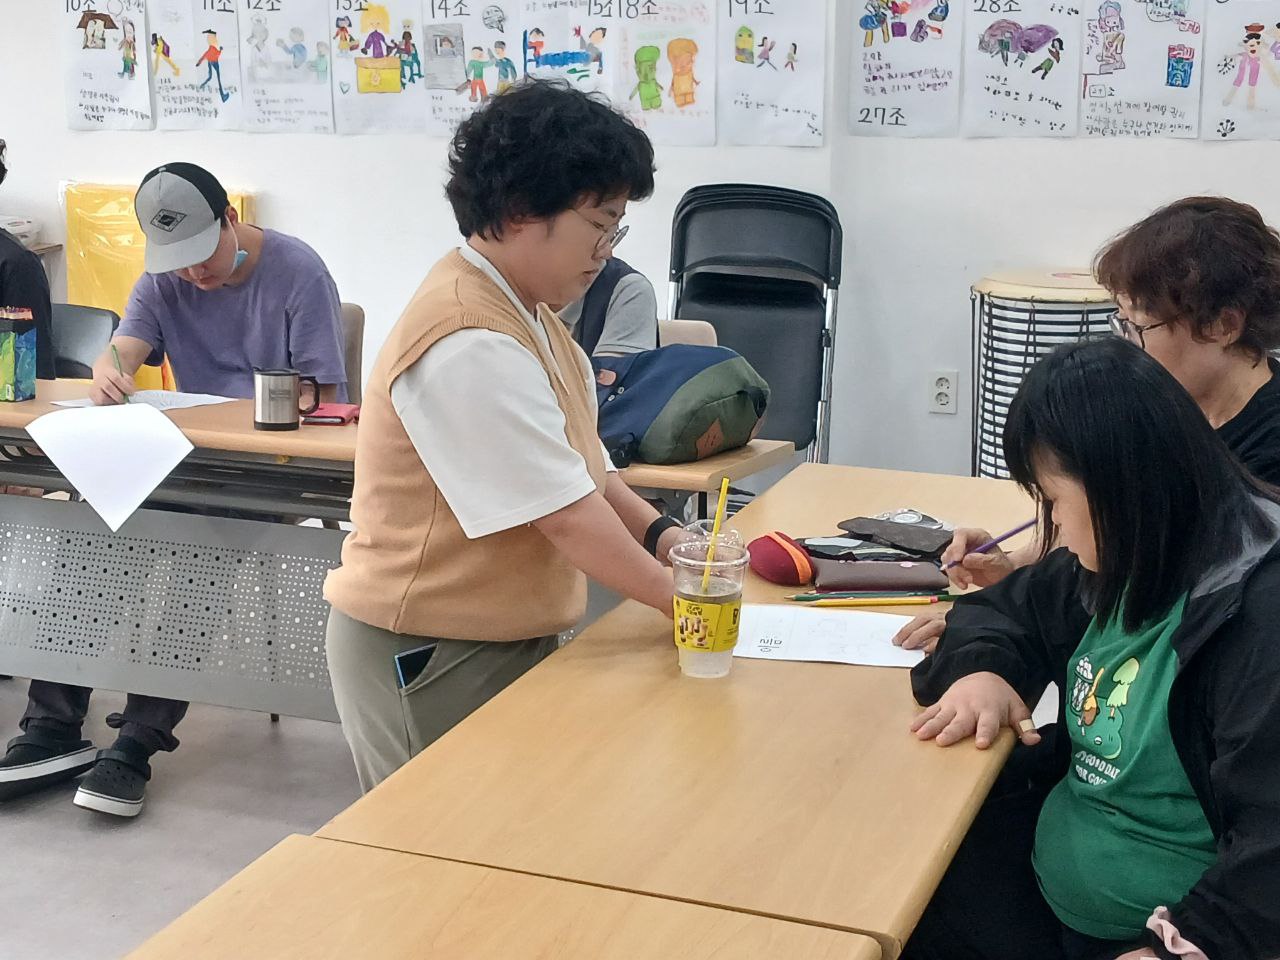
[194, 47]
[1242, 71]
[107, 72]
[771, 60]
[376, 65]
[286, 56]
[906, 69]
[667, 60]
[1143, 60]
[470, 51]
[1021, 68]
[576, 40]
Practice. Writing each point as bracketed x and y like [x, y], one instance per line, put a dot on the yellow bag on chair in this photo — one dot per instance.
[104, 254]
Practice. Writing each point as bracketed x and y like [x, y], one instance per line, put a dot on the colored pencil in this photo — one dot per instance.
[869, 602]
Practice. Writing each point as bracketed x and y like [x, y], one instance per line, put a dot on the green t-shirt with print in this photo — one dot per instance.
[1123, 833]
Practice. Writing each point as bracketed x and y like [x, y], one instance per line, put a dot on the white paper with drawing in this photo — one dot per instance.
[160, 399]
[827, 635]
[378, 81]
[105, 64]
[1021, 74]
[1142, 67]
[470, 51]
[194, 46]
[906, 68]
[114, 456]
[575, 40]
[286, 55]
[1242, 77]
[771, 60]
[667, 58]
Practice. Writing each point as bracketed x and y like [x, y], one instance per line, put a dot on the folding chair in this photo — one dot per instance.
[761, 264]
[79, 335]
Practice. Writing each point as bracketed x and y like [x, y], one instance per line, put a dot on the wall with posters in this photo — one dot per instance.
[923, 217]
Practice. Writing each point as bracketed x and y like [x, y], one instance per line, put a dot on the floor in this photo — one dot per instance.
[84, 886]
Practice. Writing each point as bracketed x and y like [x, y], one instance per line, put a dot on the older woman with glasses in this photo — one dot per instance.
[1198, 286]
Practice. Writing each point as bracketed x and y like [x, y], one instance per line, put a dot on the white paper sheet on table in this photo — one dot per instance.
[160, 399]
[822, 634]
[114, 456]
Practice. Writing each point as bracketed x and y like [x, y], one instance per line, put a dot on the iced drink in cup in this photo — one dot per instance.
[708, 604]
[702, 530]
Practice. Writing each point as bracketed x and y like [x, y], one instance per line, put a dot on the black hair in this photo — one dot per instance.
[4, 171]
[539, 149]
[1169, 501]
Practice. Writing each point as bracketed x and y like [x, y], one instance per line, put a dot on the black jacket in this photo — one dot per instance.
[23, 284]
[1224, 717]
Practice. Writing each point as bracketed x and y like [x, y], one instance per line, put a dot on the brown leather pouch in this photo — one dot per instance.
[878, 575]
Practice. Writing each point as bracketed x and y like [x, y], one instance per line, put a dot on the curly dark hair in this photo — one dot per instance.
[1191, 260]
[539, 149]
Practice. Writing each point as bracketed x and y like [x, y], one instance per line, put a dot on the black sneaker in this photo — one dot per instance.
[36, 760]
[118, 780]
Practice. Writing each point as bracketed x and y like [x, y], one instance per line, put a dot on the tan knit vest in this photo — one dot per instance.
[407, 566]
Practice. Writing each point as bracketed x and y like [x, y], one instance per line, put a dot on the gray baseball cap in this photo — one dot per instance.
[179, 207]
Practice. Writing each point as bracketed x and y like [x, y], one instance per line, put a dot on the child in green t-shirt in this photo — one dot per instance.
[1146, 821]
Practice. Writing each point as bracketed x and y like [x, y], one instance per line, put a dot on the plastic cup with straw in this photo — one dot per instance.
[708, 604]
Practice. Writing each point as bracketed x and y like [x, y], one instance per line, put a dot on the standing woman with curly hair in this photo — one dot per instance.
[483, 496]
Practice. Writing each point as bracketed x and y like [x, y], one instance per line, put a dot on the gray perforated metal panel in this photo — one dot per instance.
[189, 607]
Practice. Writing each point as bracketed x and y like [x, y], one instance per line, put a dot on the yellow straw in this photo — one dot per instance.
[715, 533]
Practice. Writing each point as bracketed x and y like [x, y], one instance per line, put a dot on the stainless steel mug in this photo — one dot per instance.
[277, 398]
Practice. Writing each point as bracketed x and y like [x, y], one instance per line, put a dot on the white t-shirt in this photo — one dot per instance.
[496, 450]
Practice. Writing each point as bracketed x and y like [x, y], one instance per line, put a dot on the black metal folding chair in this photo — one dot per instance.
[762, 265]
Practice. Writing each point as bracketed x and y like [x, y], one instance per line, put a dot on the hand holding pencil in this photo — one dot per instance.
[967, 568]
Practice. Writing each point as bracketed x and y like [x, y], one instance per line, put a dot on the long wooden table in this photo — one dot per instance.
[209, 593]
[228, 427]
[312, 899]
[222, 426]
[246, 654]
[790, 790]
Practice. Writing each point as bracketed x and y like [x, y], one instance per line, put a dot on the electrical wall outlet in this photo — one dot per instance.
[944, 391]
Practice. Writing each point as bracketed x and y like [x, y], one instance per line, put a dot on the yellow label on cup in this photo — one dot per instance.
[709, 627]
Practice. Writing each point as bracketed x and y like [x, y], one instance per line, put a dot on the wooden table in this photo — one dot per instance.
[311, 899]
[703, 476]
[791, 790]
[224, 427]
[229, 427]
[167, 607]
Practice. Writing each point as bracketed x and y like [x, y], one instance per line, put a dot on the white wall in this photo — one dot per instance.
[922, 218]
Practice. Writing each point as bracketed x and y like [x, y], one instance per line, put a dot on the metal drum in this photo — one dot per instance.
[1018, 317]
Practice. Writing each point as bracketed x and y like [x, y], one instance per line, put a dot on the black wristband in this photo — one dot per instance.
[655, 532]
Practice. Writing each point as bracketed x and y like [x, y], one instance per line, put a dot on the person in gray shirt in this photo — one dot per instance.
[618, 315]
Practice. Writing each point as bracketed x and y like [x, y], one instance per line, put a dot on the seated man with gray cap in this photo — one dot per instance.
[219, 298]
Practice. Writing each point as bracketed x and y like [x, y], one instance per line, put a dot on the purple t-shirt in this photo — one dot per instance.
[287, 314]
